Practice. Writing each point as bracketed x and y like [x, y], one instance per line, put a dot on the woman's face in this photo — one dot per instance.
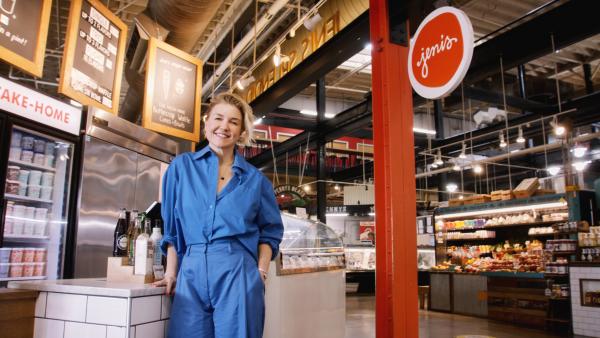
[223, 126]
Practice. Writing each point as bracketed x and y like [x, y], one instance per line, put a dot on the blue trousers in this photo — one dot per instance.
[219, 293]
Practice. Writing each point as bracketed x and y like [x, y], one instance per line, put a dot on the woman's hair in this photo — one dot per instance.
[246, 136]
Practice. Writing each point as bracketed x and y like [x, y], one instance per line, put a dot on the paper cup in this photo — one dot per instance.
[28, 255]
[39, 146]
[40, 255]
[39, 228]
[4, 267]
[4, 255]
[49, 162]
[8, 226]
[46, 193]
[39, 159]
[28, 228]
[10, 208]
[27, 156]
[28, 269]
[48, 179]
[12, 187]
[16, 270]
[17, 227]
[19, 210]
[29, 212]
[39, 269]
[49, 148]
[16, 255]
[15, 153]
[22, 189]
[27, 142]
[24, 176]
[35, 177]
[13, 173]
[15, 140]
[33, 191]
[40, 213]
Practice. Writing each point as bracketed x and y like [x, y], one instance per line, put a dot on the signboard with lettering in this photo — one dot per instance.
[23, 33]
[172, 95]
[336, 15]
[92, 66]
[440, 52]
[30, 104]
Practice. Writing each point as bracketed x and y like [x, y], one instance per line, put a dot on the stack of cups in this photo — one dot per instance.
[4, 262]
[46, 186]
[29, 221]
[34, 188]
[39, 148]
[49, 152]
[27, 148]
[9, 220]
[15, 146]
[19, 219]
[23, 180]
[40, 221]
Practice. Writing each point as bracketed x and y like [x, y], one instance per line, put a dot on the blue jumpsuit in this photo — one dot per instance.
[219, 292]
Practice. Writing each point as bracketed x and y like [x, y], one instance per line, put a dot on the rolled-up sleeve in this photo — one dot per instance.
[269, 218]
[172, 229]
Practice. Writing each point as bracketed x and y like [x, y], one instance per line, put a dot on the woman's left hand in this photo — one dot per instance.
[263, 275]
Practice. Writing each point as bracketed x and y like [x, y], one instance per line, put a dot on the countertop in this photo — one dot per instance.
[90, 286]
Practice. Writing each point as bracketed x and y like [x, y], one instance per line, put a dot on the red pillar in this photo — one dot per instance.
[395, 197]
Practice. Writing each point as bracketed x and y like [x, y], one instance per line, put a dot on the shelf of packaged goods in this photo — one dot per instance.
[32, 165]
[26, 199]
[21, 278]
[470, 239]
[24, 238]
[501, 226]
[555, 201]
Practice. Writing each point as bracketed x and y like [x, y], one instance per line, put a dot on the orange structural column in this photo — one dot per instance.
[395, 197]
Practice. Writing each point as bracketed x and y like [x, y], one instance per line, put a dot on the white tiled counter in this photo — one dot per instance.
[585, 317]
[95, 308]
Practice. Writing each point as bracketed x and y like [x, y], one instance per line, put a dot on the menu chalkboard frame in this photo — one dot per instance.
[34, 67]
[147, 122]
[71, 41]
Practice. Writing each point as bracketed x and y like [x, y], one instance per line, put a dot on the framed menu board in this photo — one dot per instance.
[23, 33]
[92, 64]
[172, 95]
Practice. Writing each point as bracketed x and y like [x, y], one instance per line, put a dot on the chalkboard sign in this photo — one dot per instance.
[23, 32]
[94, 52]
[172, 95]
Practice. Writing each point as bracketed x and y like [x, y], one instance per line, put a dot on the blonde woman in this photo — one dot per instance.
[222, 228]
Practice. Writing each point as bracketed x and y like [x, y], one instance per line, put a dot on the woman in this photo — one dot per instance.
[222, 228]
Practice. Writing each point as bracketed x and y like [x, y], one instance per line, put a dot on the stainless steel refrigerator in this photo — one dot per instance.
[123, 165]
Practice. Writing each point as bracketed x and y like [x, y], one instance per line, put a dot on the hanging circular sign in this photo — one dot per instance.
[440, 52]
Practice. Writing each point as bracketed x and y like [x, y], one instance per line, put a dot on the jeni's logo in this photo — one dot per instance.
[440, 52]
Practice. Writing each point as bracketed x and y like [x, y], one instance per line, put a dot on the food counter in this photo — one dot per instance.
[305, 292]
[75, 308]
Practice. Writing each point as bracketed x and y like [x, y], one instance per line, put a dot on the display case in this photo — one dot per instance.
[308, 246]
[360, 258]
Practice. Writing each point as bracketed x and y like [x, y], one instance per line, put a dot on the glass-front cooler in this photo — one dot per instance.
[308, 246]
[36, 204]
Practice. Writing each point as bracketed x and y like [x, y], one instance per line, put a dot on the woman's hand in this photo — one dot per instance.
[169, 282]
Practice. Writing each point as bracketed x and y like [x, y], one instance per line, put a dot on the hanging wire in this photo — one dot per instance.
[363, 163]
[506, 123]
[556, 76]
[287, 177]
[274, 158]
[304, 161]
[255, 32]
[544, 140]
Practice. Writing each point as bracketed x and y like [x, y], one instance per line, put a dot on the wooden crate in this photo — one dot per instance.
[455, 202]
[527, 187]
[501, 195]
[477, 199]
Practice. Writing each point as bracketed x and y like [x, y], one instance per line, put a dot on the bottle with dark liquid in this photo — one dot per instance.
[120, 240]
[132, 234]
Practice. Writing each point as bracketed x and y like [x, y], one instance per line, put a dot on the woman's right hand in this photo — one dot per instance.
[169, 282]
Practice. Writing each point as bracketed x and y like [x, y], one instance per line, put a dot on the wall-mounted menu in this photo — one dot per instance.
[23, 32]
[94, 53]
[172, 95]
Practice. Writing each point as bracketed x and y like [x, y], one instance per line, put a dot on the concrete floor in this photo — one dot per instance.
[360, 323]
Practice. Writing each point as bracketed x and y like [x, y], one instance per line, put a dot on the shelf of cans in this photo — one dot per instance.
[22, 263]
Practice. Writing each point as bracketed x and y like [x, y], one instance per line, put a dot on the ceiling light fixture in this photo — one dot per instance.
[581, 165]
[463, 152]
[424, 131]
[503, 143]
[336, 187]
[456, 167]
[559, 129]
[244, 82]
[258, 121]
[579, 150]
[520, 138]
[312, 22]
[451, 187]
[553, 170]
[279, 58]
[478, 169]
[438, 159]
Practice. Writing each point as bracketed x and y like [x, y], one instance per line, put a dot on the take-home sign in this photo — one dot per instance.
[440, 52]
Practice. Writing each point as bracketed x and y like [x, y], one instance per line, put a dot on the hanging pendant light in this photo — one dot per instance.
[477, 169]
[463, 152]
[520, 138]
[456, 167]
[579, 150]
[438, 159]
[553, 170]
[559, 130]
[503, 143]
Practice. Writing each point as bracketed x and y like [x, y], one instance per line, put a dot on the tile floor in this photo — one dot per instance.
[360, 323]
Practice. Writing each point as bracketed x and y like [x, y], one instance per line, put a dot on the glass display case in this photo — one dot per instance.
[308, 246]
[360, 258]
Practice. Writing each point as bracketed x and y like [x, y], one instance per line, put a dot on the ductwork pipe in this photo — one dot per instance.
[243, 44]
[520, 153]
